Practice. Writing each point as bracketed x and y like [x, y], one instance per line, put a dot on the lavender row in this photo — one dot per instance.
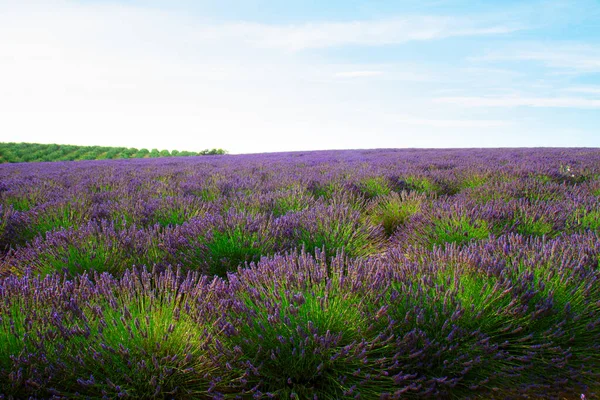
[212, 244]
[215, 241]
[511, 318]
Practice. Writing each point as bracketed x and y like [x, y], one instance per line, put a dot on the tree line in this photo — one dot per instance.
[34, 152]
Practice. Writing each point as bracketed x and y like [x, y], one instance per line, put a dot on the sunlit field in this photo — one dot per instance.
[309, 275]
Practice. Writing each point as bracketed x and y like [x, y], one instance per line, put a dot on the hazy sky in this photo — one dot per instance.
[258, 75]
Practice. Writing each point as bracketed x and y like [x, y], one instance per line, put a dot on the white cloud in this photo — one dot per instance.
[365, 33]
[357, 74]
[584, 89]
[453, 123]
[519, 101]
[568, 57]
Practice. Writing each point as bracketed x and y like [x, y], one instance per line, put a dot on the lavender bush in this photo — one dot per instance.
[343, 274]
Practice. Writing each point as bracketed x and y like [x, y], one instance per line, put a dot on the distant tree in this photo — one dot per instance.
[78, 154]
[129, 153]
[174, 153]
[71, 149]
[112, 153]
[25, 156]
[213, 152]
[154, 153]
[165, 153]
[53, 155]
[142, 153]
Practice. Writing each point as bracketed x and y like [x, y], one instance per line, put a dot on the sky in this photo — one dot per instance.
[253, 76]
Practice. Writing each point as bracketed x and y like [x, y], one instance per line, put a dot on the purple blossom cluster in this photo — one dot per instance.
[341, 274]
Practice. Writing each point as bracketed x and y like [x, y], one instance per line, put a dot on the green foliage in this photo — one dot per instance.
[583, 220]
[168, 344]
[20, 203]
[174, 211]
[143, 153]
[291, 201]
[338, 228]
[374, 187]
[218, 250]
[531, 226]
[70, 214]
[591, 221]
[33, 152]
[303, 334]
[394, 210]
[5, 215]
[473, 181]
[97, 248]
[455, 230]
[132, 336]
[297, 370]
[323, 190]
[421, 184]
[154, 153]
[209, 194]
[12, 328]
[212, 152]
[234, 247]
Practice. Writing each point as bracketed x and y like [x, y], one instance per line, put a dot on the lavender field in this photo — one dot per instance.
[318, 275]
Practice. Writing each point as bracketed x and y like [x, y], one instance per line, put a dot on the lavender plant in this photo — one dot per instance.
[394, 210]
[93, 247]
[335, 227]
